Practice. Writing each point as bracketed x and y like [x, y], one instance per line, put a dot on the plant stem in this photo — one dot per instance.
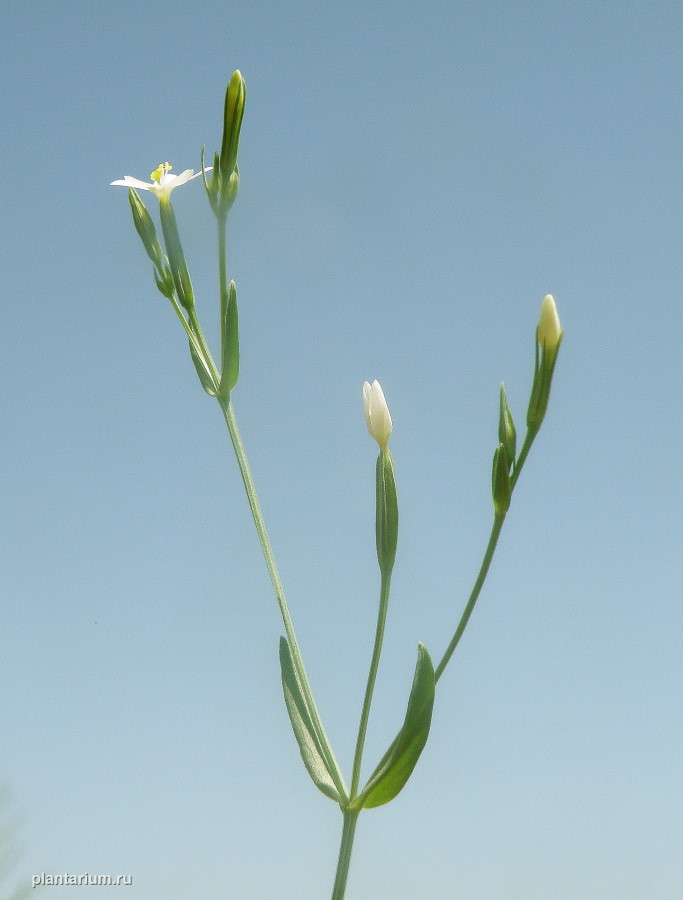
[523, 453]
[194, 340]
[271, 565]
[486, 562]
[348, 831]
[478, 584]
[248, 480]
[205, 352]
[372, 677]
[223, 258]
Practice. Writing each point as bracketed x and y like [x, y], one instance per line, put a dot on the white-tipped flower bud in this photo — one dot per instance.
[548, 339]
[549, 328]
[377, 415]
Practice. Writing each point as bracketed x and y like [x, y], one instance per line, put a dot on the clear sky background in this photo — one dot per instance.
[415, 177]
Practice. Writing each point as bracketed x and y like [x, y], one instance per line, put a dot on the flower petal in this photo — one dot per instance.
[377, 415]
[129, 181]
[185, 176]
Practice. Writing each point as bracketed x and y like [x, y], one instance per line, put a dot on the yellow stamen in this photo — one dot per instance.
[160, 171]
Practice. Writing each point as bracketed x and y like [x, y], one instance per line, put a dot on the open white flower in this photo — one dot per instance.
[377, 415]
[162, 182]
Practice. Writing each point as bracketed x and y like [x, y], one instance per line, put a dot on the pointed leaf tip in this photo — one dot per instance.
[302, 725]
[397, 764]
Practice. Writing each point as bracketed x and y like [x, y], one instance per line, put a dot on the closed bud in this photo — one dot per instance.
[500, 481]
[176, 257]
[549, 330]
[377, 415]
[506, 428]
[235, 99]
[548, 339]
[145, 228]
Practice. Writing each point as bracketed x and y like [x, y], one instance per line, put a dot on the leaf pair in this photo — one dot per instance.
[230, 350]
[397, 764]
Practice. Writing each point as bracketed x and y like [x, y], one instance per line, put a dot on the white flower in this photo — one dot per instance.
[162, 181]
[377, 415]
[549, 330]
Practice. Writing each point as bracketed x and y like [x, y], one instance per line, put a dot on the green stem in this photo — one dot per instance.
[192, 337]
[223, 258]
[271, 565]
[478, 584]
[523, 453]
[372, 677]
[348, 832]
[247, 478]
[201, 340]
[486, 562]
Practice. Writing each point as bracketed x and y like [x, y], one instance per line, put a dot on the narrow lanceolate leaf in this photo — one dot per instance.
[386, 518]
[397, 764]
[230, 343]
[304, 732]
[204, 377]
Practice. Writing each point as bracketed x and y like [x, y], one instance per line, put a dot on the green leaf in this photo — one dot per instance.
[204, 377]
[304, 732]
[230, 343]
[386, 518]
[397, 764]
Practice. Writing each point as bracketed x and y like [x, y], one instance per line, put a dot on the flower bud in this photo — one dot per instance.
[176, 257]
[145, 228]
[506, 428]
[235, 98]
[500, 481]
[377, 415]
[549, 330]
[548, 339]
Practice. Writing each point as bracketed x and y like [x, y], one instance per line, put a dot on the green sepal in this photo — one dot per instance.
[212, 185]
[176, 257]
[302, 724]
[164, 281]
[507, 434]
[544, 367]
[397, 764]
[230, 342]
[204, 376]
[163, 287]
[501, 488]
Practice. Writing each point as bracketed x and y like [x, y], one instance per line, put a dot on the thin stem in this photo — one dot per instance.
[348, 832]
[205, 352]
[247, 478]
[223, 258]
[523, 453]
[372, 677]
[478, 584]
[194, 340]
[271, 565]
[486, 562]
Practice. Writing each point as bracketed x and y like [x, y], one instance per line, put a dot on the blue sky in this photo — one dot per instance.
[415, 177]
